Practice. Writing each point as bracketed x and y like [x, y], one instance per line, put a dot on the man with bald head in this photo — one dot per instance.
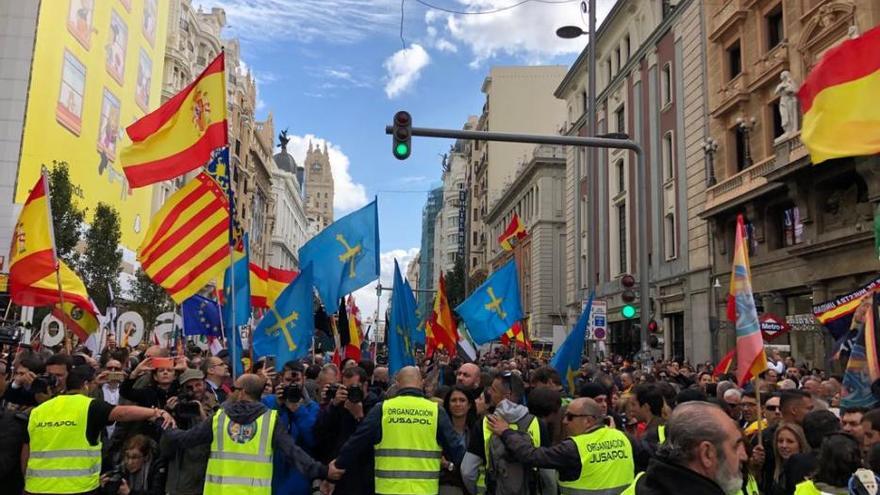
[594, 457]
[244, 435]
[468, 376]
[409, 434]
[702, 455]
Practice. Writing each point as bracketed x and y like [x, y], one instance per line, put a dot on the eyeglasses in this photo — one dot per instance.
[571, 416]
[113, 368]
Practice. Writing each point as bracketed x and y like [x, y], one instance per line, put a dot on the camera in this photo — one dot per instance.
[114, 481]
[10, 333]
[293, 393]
[355, 394]
[43, 383]
[331, 391]
[188, 408]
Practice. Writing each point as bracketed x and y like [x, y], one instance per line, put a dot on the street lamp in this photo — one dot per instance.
[571, 32]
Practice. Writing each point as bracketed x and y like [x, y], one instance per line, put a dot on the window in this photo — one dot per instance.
[740, 145]
[669, 235]
[608, 67]
[778, 130]
[621, 177]
[617, 58]
[626, 47]
[666, 84]
[668, 156]
[734, 60]
[620, 117]
[792, 228]
[621, 239]
[775, 27]
[584, 100]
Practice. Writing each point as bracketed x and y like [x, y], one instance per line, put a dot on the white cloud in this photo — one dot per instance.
[366, 296]
[348, 195]
[445, 45]
[527, 32]
[261, 104]
[404, 68]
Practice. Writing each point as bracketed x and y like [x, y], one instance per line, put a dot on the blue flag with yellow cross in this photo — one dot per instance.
[286, 329]
[345, 255]
[401, 325]
[567, 360]
[494, 306]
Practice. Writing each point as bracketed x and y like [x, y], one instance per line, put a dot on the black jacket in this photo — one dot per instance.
[663, 478]
[334, 426]
[13, 427]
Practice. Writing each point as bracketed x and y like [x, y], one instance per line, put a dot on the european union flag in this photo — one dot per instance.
[494, 307]
[345, 255]
[401, 325]
[286, 330]
[567, 360]
[201, 316]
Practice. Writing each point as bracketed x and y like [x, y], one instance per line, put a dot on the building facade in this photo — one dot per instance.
[291, 225]
[450, 224]
[318, 187]
[649, 87]
[536, 197]
[518, 99]
[432, 208]
[259, 219]
[809, 227]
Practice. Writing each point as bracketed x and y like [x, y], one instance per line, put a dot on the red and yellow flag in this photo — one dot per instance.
[751, 360]
[180, 135]
[279, 278]
[80, 322]
[839, 100]
[725, 364]
[441, 329]
[353, 348]
[517, 335]
[187, 244]
[259, 279]
[32, 278]
[515, 230]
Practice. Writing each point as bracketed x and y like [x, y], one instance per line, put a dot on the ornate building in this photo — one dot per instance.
[809, 226]
[318, 187]
[290, 216]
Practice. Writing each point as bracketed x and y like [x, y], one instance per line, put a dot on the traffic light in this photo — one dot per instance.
[401, 135]
[628, 311]
[653, 327]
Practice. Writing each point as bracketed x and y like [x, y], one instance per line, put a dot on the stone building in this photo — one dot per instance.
[291, 225]
[258, 217]
[427, 263]
[810, 227]
[536, 196]
[649, 86]
[450, 225]
[318, 187]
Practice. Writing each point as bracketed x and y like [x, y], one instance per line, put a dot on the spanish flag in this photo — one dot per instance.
[518, 336]
[180, 135]
[441, 328]
[515, 230]
[353, 349]
[839, 100]
[259, 279]
[279, 278]
[187, 244]
[80, 322]
[32, 277]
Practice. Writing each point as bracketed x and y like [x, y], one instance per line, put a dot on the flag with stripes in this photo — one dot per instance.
[187, 243]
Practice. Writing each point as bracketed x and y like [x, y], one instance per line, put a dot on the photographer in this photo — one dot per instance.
[141, 472]
[194, 403]
[28, 380]
[349, 402]
[297, 414]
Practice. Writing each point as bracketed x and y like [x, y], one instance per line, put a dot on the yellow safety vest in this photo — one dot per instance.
[61, 459]
[806, 488]
[661, 434]
[241, 456]
[606, 464]
[534, 432]
[408, 456]
[751, 487]
[631, 489]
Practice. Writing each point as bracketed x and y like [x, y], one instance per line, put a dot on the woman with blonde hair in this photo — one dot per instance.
[788, 440]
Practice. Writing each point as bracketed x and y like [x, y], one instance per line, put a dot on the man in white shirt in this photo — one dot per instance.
[109, 380]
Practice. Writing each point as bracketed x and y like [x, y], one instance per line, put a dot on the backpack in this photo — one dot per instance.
[506, 476]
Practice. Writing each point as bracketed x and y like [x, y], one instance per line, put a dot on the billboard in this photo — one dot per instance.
[97, 68]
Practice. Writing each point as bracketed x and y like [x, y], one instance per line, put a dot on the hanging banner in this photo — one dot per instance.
[773, 327]
[836, 315]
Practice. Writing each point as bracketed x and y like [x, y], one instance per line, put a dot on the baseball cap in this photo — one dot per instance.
[190, 374]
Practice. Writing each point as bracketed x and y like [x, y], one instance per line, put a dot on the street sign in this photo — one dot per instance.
[599, 320]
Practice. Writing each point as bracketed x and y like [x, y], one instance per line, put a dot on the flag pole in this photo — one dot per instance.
[43, 173]
[760, 420]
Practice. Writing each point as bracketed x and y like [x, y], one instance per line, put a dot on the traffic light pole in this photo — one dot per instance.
[585, 142]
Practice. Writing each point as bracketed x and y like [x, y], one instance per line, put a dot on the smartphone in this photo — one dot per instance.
[117, 376]
[270, 363]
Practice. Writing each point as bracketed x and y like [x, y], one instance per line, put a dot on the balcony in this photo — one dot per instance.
[729, 15]
[767, 68]
[750, 180]
[731, 93]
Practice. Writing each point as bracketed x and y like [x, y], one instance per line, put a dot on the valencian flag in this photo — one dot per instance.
[220, 170]
[278, 280]
[839, 100]
[286, 330]
[32, 263]
[751, 360]
[725, 364]
[567, 360]
[259, 279]
[187, 243]
[181, 135]
[494, 306]
[441, 329]
[353, 349]
[515, 230]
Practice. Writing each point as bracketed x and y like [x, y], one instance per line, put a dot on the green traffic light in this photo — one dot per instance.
[628, 311]
[401, 149]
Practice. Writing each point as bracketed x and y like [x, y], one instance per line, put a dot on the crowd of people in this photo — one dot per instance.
[147, 422]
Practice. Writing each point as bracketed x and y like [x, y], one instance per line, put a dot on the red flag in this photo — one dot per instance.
[515, 230]
[440, 328]
[725, 364]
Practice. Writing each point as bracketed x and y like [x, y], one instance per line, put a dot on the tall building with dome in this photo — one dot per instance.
[291, 225]
[318, 187]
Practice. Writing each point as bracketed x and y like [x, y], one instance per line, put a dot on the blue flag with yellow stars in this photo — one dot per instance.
[286, 329]
[345, 255]
[567, 360]
[201, 316]
[401, 325]
[494, 306]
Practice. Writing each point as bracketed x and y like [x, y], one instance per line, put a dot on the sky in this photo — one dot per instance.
[338, 70]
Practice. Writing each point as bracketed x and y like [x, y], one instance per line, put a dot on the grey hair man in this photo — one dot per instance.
[703, 452]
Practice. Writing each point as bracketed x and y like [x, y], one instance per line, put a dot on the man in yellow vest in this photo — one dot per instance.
[244, 435]
[594, 459]
[62, 449]
[410, 435]
[702, 455]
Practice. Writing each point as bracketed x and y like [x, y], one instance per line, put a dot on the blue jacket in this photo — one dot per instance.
[300, 426]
